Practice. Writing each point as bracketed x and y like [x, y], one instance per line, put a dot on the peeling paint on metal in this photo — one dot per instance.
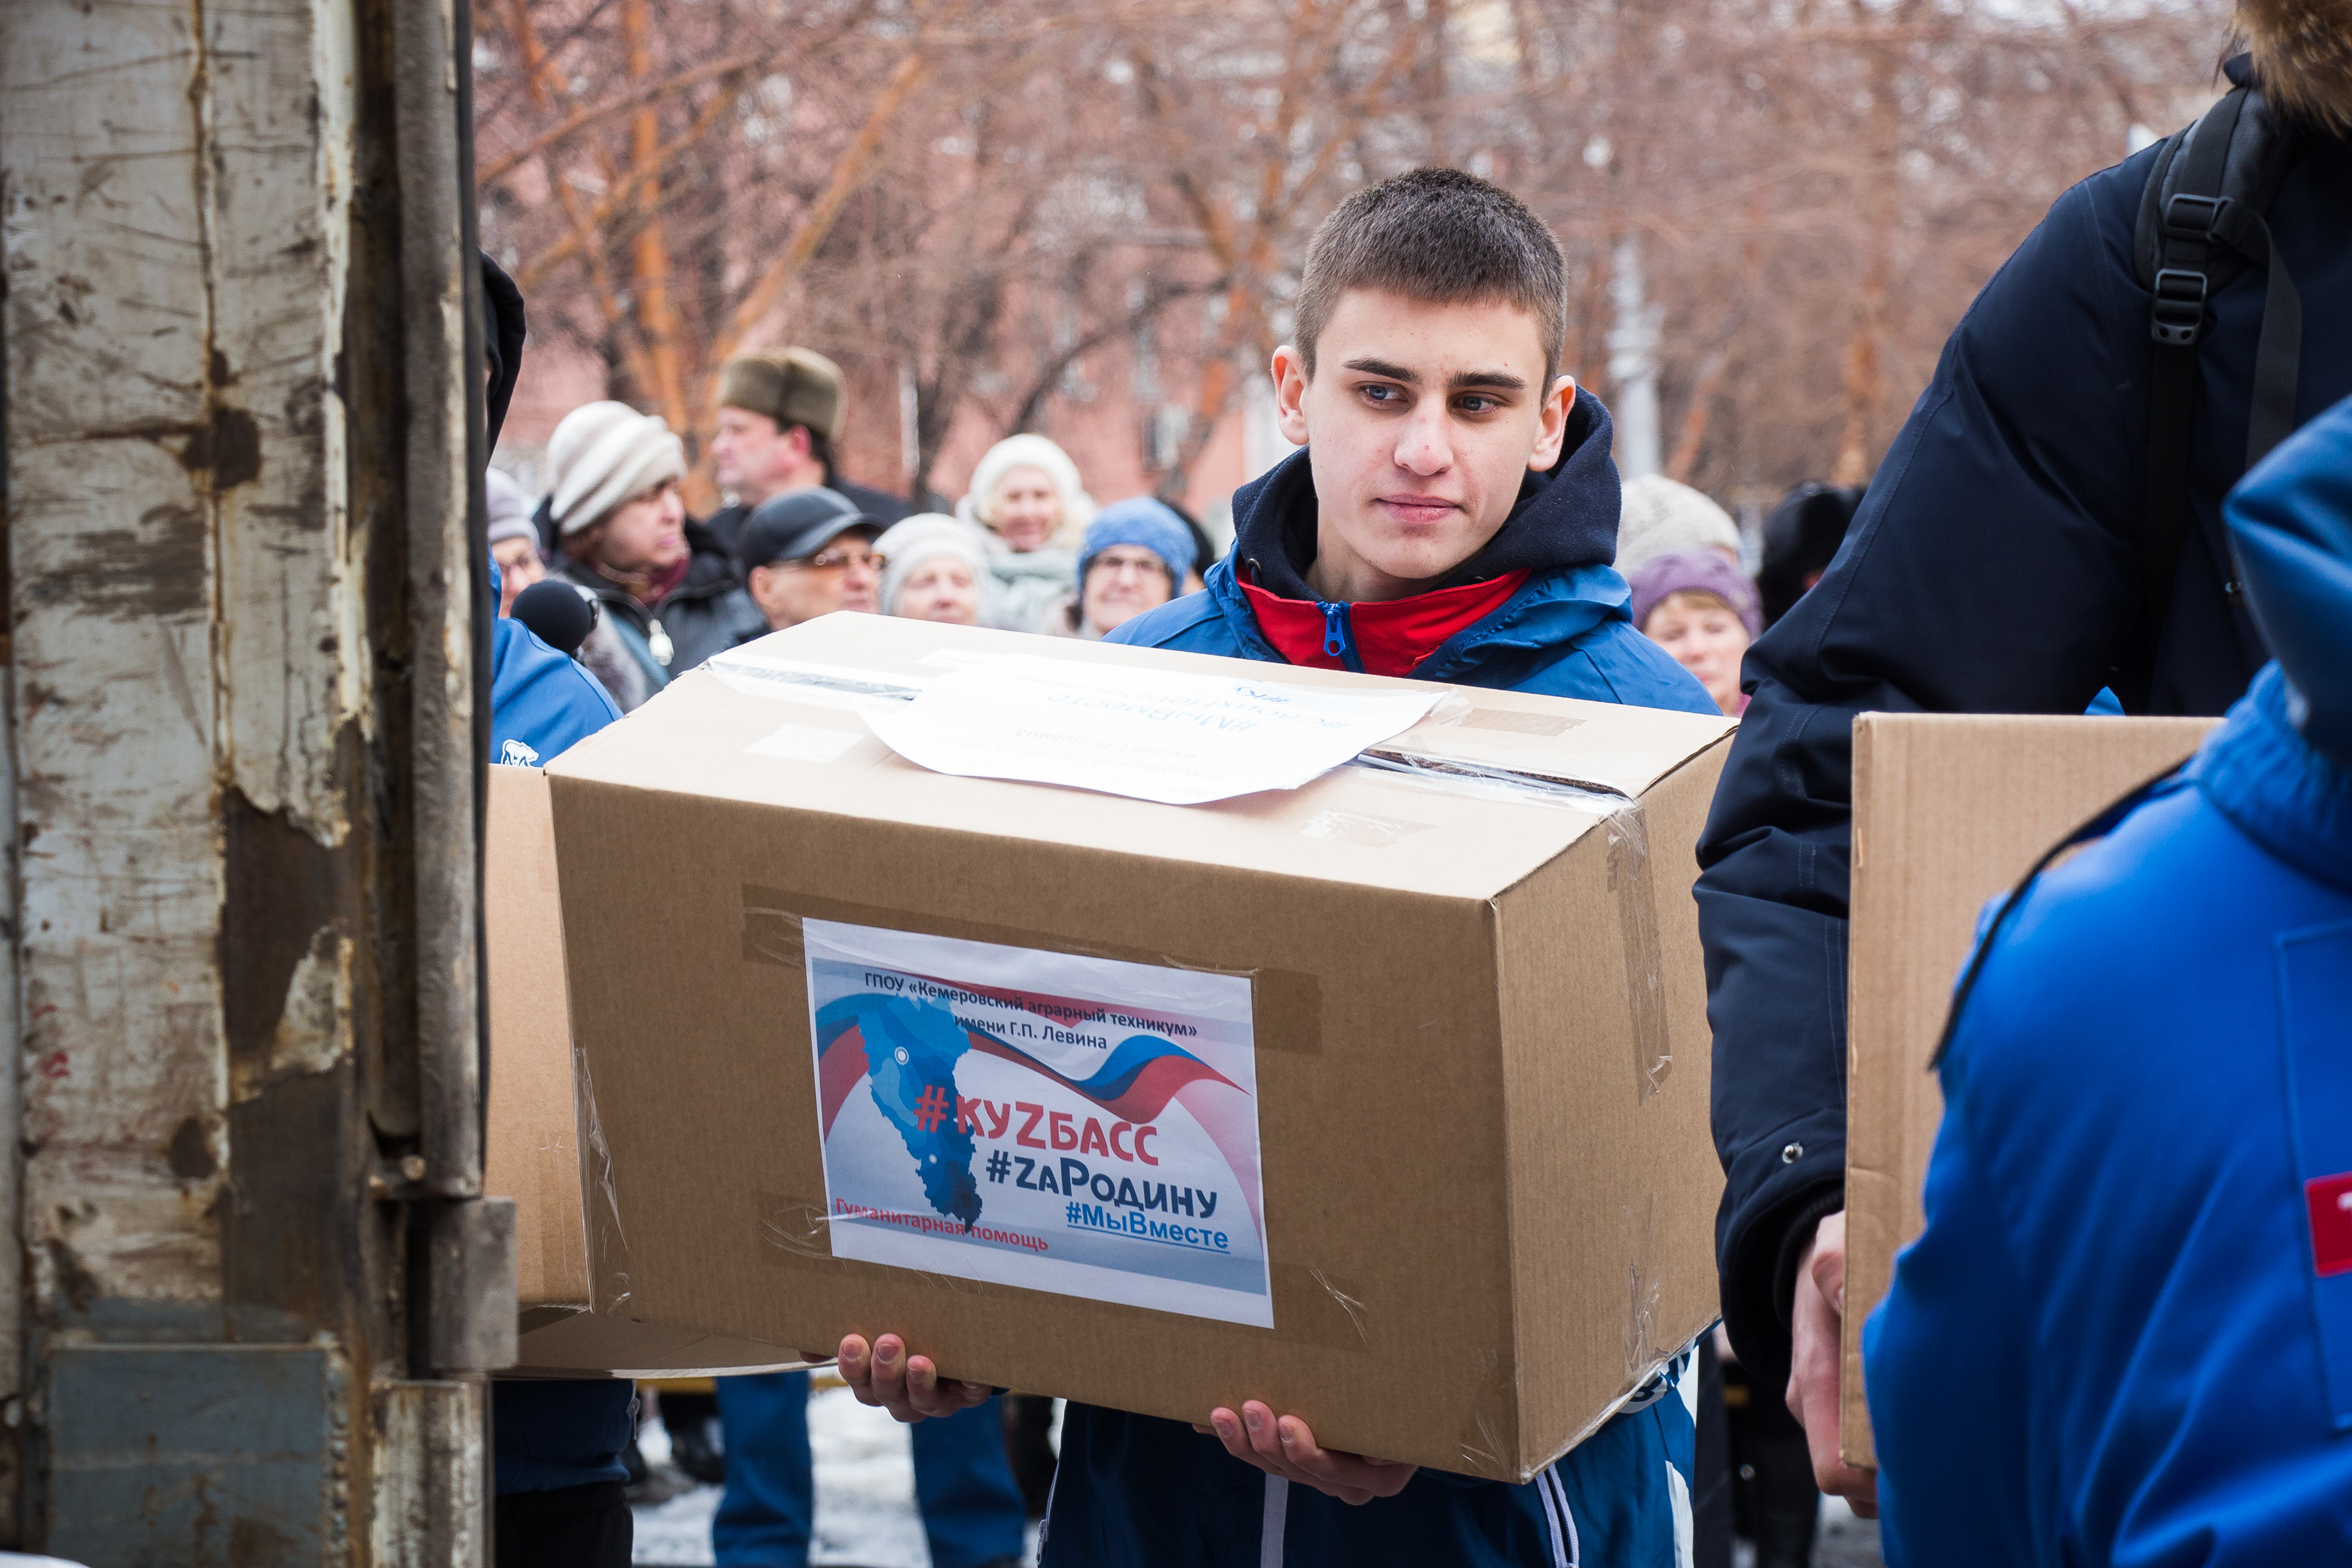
[175, 245]
[312, 1034]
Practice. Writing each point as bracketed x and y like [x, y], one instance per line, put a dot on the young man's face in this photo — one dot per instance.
[1421, 422]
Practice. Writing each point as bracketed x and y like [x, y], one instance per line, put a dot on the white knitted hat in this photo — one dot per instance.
[922, 538]
[1029, 452]
[1662, 516]
[603, 453]
[511, 507]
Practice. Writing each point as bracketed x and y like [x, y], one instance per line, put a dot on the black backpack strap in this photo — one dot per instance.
[2185, 192]
[2201, 222]
[2278, 357]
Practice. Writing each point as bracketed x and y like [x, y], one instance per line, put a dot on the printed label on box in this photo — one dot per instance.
[1081, 1125]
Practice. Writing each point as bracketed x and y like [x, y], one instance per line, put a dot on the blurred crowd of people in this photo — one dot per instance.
[1025, 550]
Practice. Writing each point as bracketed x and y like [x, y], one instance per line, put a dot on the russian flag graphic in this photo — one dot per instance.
[1136, 1081]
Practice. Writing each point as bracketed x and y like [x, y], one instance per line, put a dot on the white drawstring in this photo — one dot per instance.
[1564, 1545]
[1277, 1512]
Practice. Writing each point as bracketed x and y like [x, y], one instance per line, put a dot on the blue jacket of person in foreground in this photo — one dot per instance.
[542, 701]
[1137, 1491]
[2125, 1336]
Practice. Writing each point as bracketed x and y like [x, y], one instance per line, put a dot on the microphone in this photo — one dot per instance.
[556, 611]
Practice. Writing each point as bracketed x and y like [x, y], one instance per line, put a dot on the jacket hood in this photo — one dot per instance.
[1550, 612]
[1565, 516]
[2291, 521]
[2303, 58]
[2275, 786]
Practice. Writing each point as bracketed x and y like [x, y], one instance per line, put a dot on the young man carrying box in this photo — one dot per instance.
[1453, 518]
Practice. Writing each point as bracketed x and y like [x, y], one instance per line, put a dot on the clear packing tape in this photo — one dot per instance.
[1630, 873]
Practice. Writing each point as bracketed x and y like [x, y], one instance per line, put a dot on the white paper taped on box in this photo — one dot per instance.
[1177, 739]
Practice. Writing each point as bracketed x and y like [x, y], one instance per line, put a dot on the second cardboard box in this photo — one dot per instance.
[1949, 810]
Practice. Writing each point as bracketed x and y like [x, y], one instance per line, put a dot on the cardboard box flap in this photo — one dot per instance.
[532, 1154]
[781, 724]
[533, 1151]
[593, 1345]
[1623, 748]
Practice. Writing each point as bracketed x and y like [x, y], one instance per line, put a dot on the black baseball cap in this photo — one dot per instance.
[797, 524]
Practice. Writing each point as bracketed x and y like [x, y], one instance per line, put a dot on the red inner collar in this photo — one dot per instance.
[1390, 637]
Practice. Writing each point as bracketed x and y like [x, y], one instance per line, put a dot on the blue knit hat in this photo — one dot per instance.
[1140, 520]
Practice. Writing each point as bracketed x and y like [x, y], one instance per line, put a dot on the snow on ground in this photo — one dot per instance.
[1844, 1542]
[865, 1495]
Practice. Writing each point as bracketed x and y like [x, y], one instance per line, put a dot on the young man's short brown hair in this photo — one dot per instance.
[1442, 235]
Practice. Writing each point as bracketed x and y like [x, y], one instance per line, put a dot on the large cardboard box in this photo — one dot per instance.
[1949, 811]
[532, 1154]
[1437, 1035]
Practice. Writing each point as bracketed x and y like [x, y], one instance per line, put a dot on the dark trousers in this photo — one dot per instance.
[571, 1527]
[1711, 1468]
[1029, 1444]
[1774, 1502]
[972, 1510]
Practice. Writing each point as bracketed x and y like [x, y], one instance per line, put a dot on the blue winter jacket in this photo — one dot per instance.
[2126, 1335]
[540, 701]
[1994, 567]
[1135, 1492]
[554, 1433]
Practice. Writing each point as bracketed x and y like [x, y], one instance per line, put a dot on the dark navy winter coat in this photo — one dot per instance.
[1135, 1492]
[2125, 1336]
[1994, 567]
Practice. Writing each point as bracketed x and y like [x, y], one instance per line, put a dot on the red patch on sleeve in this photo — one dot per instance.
[2329, 1199]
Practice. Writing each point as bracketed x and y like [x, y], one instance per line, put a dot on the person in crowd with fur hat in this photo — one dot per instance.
[1701, 608]
[669, 590]
[1664, 515]
[1025, 492]
[934, 567]
[780, 417]
[1135, 557]
[514, 536]
[2012, 556]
